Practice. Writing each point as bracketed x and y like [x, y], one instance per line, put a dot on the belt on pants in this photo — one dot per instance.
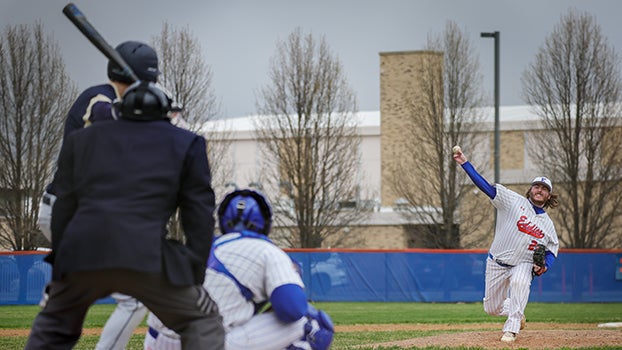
[498, 262]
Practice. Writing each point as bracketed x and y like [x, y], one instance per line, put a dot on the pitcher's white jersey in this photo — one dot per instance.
[519, 229]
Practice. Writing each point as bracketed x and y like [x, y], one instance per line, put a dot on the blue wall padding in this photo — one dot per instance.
[385, 276]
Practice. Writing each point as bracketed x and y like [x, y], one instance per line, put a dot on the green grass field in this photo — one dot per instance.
[20, 317]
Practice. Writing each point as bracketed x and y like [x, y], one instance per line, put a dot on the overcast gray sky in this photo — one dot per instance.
[238, 37]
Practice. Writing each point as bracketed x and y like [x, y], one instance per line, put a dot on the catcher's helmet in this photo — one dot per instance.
[245, 210]
[144, 100]
[141, 57]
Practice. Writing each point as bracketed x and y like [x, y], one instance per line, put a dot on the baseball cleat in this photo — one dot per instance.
[508, 337]
[523, 321]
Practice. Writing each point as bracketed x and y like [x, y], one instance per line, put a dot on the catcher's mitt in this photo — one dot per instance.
[538, 259]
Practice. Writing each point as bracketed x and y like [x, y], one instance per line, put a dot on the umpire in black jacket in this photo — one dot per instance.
[118, 183]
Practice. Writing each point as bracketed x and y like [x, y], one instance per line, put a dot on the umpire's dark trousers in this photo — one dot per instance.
[189, 311]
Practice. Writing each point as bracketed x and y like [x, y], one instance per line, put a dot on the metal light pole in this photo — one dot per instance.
[495, 35]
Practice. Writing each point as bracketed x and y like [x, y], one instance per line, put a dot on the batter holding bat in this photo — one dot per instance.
[95, 104]
[129, 62]
[525, 245]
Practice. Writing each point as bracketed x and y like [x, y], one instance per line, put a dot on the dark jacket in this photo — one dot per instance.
[117, 184]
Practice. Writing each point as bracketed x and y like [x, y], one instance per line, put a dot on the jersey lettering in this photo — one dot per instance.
[529, 228]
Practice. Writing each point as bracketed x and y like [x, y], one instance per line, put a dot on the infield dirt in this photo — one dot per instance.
[488, 335]
[481, 335]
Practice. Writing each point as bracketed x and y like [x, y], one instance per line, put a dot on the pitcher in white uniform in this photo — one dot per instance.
[521, 225]
[248, 274]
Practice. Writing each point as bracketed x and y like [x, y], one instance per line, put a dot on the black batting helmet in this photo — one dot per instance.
[141, 57]
[144, 100]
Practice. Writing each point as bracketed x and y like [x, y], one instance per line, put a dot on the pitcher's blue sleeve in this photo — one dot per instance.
[289, 302]
[479, 180]
[549, 259]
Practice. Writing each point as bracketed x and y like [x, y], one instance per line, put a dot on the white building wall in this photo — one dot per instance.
[246, 156]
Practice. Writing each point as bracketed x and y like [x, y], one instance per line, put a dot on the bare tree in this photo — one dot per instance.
[441, 113]
[186, 74]
[574, 87]
[309, 139]
[189, 79]
[35, 97]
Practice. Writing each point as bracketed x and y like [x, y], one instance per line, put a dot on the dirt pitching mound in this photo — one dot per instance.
[487, 336]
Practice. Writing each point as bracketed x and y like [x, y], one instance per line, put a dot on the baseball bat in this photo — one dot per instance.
[79, 20]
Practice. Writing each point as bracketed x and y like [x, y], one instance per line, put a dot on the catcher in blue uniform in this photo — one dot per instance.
[246, 271]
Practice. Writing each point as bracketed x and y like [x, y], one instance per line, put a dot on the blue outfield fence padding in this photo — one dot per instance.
[23, 276]
[415, 275]
[426, 275]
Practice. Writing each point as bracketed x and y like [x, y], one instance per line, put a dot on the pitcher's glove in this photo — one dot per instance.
[539, 266]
